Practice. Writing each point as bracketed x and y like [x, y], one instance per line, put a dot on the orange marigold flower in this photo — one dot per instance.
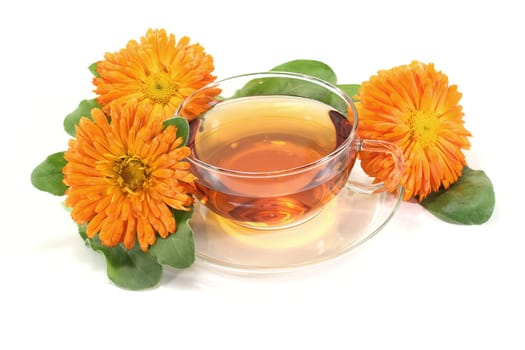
[124, 176]
[158, 71]
[414, 107]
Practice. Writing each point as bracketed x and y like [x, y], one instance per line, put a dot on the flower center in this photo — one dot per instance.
[159, 87]
[424, 127]
[132, 174]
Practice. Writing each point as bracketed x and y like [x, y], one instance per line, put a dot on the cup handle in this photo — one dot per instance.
[365, 145]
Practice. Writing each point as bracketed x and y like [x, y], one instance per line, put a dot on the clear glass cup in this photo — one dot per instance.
[271, 149]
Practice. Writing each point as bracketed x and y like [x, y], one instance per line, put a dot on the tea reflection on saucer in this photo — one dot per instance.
[345, 222]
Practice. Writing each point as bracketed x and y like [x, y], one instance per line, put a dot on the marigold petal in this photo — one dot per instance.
[95, 224]
[130, 235]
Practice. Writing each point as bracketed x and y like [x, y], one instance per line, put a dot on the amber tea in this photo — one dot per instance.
[268, 157]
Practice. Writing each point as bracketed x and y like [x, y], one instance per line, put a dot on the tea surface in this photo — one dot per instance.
[270, 134]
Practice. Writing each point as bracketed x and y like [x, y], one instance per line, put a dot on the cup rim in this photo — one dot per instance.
[283, 172]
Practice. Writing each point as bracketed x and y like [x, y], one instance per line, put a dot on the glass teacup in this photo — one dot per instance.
[271, 149]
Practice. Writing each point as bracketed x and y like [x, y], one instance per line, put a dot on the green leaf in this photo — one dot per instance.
[182, 126]
[470, 201]
[135, 269]
[93, 69]
[309, 67]
[293, 86]
[339, 103]
[177, 250]
[48, 176]
[350, 89]
[83, 110]
[282, 86]
[83, 234]
[130, 269]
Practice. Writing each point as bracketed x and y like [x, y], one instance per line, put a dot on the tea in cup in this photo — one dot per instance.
[273, 148]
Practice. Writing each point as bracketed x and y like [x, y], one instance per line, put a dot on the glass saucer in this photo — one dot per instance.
[344, 223]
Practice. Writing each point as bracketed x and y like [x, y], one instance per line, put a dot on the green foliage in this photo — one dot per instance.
[291, 86]
[182, 126]
[83, 110]
[283, 86]
[130, 269]
[350, 89]
[48, 176]
[470, 201]
[93, 69]
[176, 250]
[308, 67]
[136, 270]
[301, 88]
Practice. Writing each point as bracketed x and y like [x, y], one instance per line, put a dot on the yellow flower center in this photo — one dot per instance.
[159, 87]
[132, 173]
[424, 126]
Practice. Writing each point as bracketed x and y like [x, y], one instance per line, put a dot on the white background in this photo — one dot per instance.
[419, 284]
